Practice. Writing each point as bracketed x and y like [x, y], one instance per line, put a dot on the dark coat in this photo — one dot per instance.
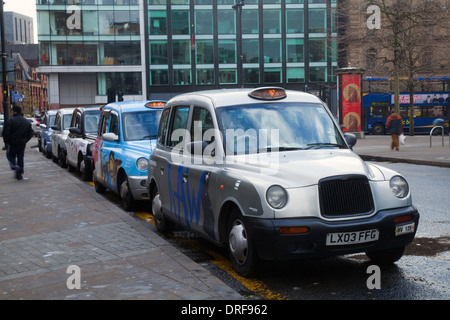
[394, 123]
[17, 131]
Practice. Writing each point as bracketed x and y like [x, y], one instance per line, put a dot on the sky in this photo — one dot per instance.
[25, 7]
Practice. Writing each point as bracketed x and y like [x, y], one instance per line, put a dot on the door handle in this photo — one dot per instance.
[161, 169]
[185, 177]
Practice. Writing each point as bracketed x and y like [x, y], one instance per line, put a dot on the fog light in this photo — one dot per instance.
[294, 230]
[143, 183]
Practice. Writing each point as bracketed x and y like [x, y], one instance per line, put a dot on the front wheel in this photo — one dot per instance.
[241, 249]
[126, 195]
[387, 256]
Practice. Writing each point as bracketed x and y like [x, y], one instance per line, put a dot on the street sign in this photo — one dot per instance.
[16, 97]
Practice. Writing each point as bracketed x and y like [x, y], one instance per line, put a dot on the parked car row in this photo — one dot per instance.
[107, 144]
[265, 172]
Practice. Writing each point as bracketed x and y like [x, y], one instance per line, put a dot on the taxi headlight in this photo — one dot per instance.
[399, 186]
[276, 196]
[142, 164]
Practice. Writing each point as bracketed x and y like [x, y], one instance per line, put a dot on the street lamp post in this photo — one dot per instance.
[238, 7]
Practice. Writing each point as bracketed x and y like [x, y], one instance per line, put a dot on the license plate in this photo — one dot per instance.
[355, 237]
[405, 228]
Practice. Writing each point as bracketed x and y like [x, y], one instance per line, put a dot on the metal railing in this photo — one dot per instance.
[443, 134]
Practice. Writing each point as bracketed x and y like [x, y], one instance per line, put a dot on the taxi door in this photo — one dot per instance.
[109, 152]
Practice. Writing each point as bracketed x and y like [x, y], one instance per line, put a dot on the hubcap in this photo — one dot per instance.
[124, 189]
[238, 242]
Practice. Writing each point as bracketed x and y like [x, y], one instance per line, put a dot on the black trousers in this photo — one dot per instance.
[15, 155]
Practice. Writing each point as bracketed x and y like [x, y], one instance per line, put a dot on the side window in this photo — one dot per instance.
[58, 120]
[163, 126]
[178, 121]
[105, 122]
[114, 124]
[201, 122]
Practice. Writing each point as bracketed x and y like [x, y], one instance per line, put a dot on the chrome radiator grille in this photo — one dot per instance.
[345, 196]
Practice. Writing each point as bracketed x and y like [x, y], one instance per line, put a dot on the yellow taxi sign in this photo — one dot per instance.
[155, 104]
[268, 93]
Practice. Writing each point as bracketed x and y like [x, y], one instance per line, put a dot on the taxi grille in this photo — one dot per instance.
[345, 196]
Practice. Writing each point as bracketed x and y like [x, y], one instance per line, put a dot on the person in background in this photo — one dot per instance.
[17, 132]
[394, 123]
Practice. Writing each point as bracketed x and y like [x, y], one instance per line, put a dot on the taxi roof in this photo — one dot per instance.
[231, 97]
[128, 106]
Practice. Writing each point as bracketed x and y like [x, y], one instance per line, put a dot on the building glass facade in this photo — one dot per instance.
[172, 46]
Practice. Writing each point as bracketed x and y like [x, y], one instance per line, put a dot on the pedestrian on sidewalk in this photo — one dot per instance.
[394, 124]
[17, 132]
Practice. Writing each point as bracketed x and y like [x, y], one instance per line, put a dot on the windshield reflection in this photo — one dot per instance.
[141, 125]
[283, 126]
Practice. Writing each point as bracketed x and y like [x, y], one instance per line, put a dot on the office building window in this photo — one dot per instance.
[318, 74]
[159, 77]
[181, 51]
[227, 76]
[317, 20]
[226, 21]
[181, 76]
[251, 76]
[227, 51]
[272, 75]
[203, 22]
[295, 50]
[157, 22]
[204, 50]
[295, 75]
[180, 22]
[158, 52]
[250, 50]
[271, 21]
[294, 21]
[272, 50]
[250, 21]
[130, 83]
[205, 76]
[317, 50]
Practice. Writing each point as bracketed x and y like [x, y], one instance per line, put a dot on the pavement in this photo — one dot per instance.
[60, 240]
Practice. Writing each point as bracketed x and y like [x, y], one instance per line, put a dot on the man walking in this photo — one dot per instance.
[394, 123]
[17, 132]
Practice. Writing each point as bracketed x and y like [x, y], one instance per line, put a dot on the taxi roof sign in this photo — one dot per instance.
[155, 104]
[268, 93]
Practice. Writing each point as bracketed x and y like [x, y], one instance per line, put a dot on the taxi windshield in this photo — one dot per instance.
[67, 118]
[277, 126]
[91, 122]
[141, 125]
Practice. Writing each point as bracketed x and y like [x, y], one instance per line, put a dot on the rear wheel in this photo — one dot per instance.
[61, 159]
[163, 225]
[241, 249]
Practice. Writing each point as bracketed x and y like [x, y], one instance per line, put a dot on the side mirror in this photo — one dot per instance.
[351, 139]
[109, 136]
[56, 128]
[43, 126]
[75, 130]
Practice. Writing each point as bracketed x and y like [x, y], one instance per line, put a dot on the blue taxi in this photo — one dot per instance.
[126, 138]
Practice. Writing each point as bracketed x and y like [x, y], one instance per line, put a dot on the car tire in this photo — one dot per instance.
[47, 153]
[61, 159]
[387, 256]
[240, 245]
[162, 224]
[378, 129]
[86, 174]
[99, 188]
[128, 202]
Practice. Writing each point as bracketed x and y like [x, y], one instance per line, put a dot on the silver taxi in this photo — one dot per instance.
[269, 174]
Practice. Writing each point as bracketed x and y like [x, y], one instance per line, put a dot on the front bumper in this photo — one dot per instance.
[138, 187]
[271, 245]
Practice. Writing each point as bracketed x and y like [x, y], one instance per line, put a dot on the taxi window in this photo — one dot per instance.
[67, 118]
[163, 126]
[201, 122]
[178, 124]
[114, 124]
[76, 120]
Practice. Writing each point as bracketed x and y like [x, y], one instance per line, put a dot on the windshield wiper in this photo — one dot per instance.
[278, 148]
[319, 145]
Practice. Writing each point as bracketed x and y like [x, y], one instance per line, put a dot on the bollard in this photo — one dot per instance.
[431, 134]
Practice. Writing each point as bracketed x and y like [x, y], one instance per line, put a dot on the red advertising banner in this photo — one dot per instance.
[351, 102]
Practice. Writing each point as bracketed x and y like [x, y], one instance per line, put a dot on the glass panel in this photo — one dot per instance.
[43, 23]
[272, 50]
[181, 51]
[227, 51]
[180, 22]
[204, 51]
[295, 50]
[272, 75]
[250, 21]
[90, 22]
[106, 22]
[227, 76]
[157, 1]
[295, 75]
[158, 52]
[159, 77]
[317, 20]
[250, 50]
[294, 1]
[205, 76]
[251, 75]
[121, 22]
[226, 22]
[157, 22]
[295, 21]
[272, 21]
[317, 74]
[203, 22]
[181, 76]
[317, 50]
